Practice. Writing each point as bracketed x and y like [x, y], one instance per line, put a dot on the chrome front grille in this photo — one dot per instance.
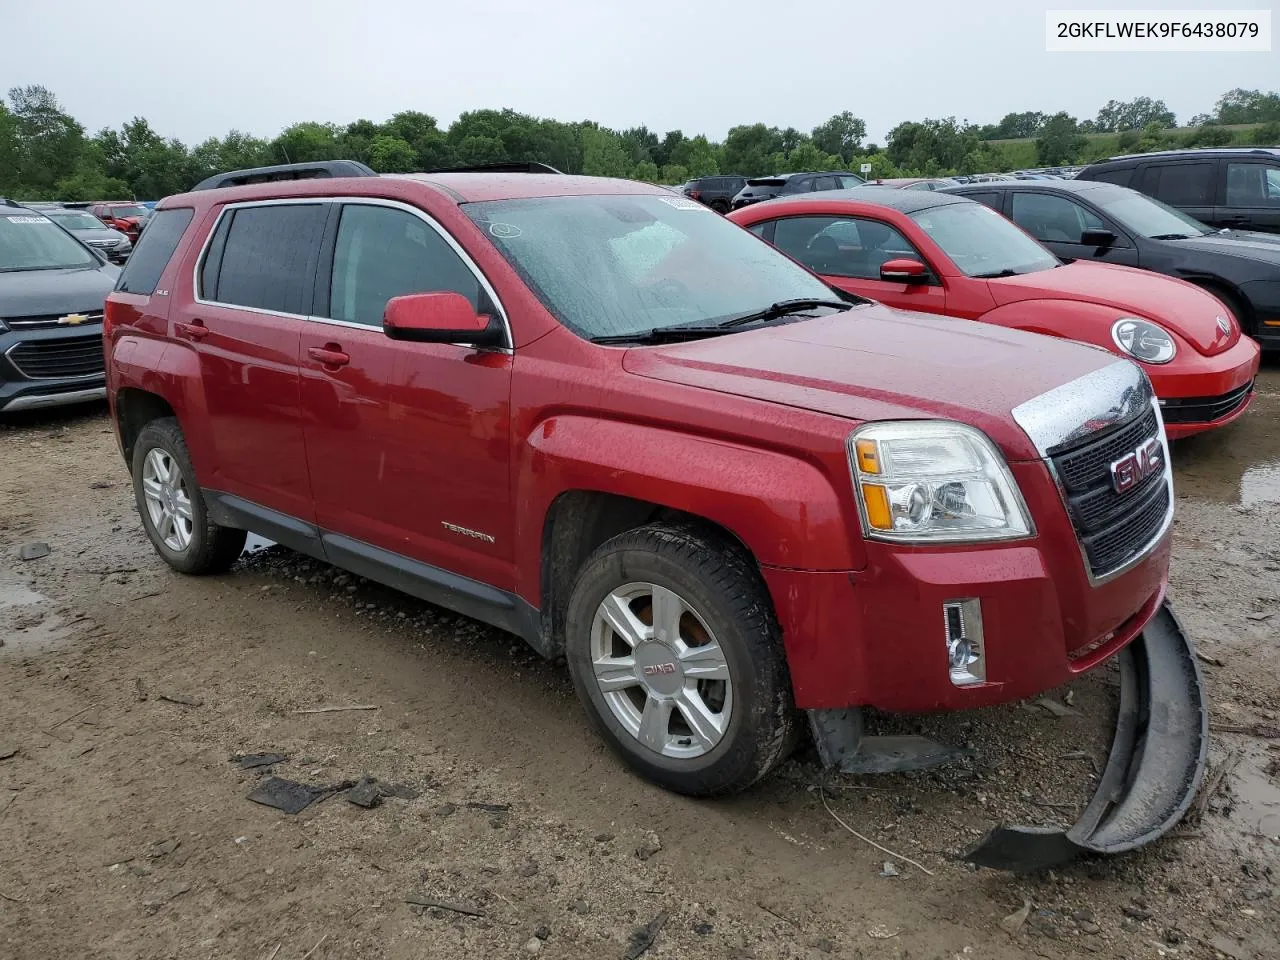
[66, 358]
[50, 320]
[1114, 528]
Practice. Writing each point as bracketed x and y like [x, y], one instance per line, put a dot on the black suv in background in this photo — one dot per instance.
[786, 184]
[1224, 187]
[716, 192]
[52, 291]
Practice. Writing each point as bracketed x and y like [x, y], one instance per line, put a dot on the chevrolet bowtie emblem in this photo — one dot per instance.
[72, 319]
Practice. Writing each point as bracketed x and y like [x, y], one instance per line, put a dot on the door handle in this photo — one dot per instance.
[195, 330]
[330, 355]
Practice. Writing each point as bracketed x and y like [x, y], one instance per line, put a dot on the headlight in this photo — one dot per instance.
[1143, 340]
[934, 481]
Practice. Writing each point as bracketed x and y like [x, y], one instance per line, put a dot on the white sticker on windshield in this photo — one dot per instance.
[504, 231]
[28, 219]
[683, 203]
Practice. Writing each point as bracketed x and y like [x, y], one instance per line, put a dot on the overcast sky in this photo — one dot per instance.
[701, 66]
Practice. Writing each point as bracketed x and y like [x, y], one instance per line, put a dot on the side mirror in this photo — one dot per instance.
[1097, 238]
[440, 318]
[904, 270]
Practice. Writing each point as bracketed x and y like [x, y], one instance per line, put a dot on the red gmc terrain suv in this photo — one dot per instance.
[607, 420]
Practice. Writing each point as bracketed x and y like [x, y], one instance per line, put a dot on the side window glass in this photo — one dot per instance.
[824, 183]
[758, 229]
[991, 199]
[1180, 184]
[1053, 219]
[269, 258]
[383, 253]
[848, 183]
[842, 246]
[155, 248]
[1119, 177]
[1252, 185]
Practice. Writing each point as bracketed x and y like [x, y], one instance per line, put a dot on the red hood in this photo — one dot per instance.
[876, 363]
[1184, 308]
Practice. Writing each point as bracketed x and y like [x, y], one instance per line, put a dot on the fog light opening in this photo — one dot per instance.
[966, 654]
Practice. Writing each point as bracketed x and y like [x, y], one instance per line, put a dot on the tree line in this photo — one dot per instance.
[46, 154]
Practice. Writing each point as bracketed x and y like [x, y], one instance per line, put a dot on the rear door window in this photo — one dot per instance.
[154, 250]
[268, 258]
[991, 198]
[1120, 177]
[1180, 184]
[381, 253]
[824, 183]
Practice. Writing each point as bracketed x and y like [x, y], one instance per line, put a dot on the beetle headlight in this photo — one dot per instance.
[1143, 340]
[934, 481]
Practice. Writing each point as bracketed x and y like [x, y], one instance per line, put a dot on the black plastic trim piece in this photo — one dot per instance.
[1154, 770]
[471, 598]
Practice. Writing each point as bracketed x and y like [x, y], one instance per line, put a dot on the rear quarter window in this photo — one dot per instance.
[1120, 176]
[154, 250]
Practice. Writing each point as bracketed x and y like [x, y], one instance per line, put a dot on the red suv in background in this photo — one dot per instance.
[600, 417]
[128, 218]
[940, 253]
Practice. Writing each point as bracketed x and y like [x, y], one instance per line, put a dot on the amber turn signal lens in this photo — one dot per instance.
[868, 456]
[877, 501]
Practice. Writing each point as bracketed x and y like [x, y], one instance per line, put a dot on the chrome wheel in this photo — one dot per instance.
[164, 490]
[661, 670]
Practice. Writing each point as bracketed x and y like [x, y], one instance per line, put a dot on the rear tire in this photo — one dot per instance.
[675, 653]
[720, 206]
[172, 505]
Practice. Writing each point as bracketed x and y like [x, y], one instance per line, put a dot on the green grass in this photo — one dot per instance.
[1022, 153]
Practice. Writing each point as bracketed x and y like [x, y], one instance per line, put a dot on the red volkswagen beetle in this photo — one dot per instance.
[939, 253]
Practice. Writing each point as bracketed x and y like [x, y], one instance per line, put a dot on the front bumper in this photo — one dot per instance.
[1154, 769]
[1202, 393]
[38, 384]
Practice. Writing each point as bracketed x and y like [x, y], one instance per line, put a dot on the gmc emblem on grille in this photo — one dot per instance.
[658, 668]
[1131, 469]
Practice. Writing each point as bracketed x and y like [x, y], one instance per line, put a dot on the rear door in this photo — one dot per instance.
[1189, 185]
[1251, 198]
[253, 292]
[408, 442]
[848, 253]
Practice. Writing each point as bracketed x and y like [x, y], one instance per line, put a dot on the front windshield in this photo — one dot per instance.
[1147, 216]
[609, 266]
[31, 241]
[129, 210]
[981, 242]
[78, 221]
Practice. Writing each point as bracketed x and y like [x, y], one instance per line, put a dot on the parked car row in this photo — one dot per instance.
[88, 229]
[723, 193]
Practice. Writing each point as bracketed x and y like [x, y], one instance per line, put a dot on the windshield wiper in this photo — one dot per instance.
[781, 309]
[1006, 272]
[662, 335]
[1174, 236]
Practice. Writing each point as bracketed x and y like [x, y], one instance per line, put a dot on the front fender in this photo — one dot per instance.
[1087, 323]
[782, 508]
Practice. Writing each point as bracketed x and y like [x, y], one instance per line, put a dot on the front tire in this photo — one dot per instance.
[172, 505]
[675, 653]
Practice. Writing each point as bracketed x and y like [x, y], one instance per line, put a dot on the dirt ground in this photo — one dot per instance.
[126, 691]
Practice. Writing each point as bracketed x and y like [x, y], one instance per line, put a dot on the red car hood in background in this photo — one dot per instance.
[1184, 308]
[873, 362]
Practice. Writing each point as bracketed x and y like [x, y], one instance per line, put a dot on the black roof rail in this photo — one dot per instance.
[319, 169]
[501, 166]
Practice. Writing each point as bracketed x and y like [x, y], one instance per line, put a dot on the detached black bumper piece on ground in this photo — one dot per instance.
[1156, 765]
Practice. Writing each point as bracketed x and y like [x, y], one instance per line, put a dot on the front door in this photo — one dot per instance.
[408, 442]
[1252, 197]
[244, 323]
[1060, 224]
[848, 253]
